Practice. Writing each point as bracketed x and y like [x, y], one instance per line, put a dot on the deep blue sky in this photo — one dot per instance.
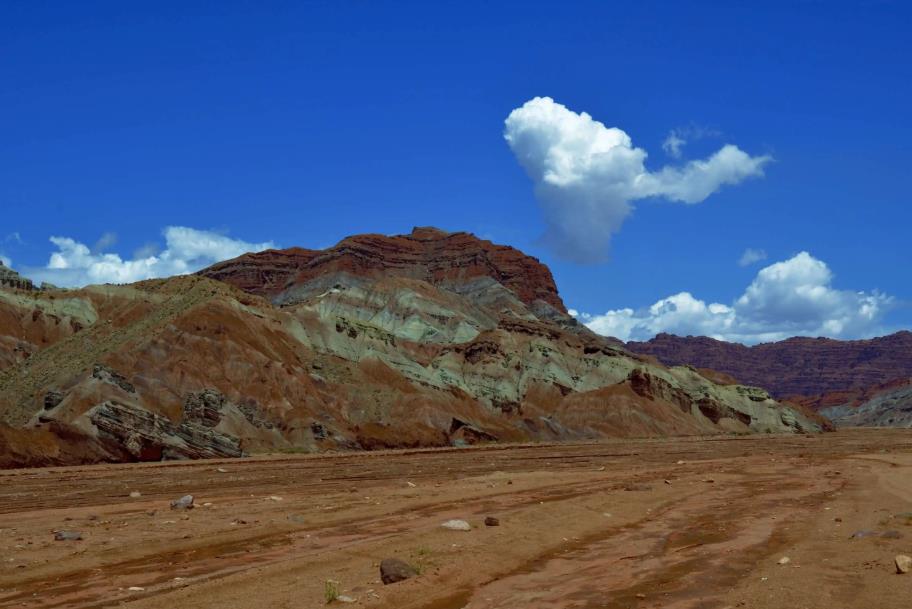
[303, 122]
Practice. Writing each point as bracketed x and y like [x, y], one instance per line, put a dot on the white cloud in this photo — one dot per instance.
[673, 144]
[586, 175]
[6, 261]
[186, 250]
[750, 256]
[790, 298]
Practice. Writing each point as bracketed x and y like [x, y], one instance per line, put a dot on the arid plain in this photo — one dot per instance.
[672, 523]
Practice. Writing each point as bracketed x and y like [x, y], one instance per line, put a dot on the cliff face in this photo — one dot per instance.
[428, 339]
[797, 366]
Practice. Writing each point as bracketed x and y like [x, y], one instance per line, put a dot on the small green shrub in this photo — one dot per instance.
[330, 590]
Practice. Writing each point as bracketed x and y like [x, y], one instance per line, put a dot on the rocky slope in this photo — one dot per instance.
[427, 339]
[797, 366]
[885, 405]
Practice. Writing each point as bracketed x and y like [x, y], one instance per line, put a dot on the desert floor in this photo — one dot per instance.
[675, 523]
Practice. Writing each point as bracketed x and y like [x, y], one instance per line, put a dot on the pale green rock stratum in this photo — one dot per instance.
[345, 355]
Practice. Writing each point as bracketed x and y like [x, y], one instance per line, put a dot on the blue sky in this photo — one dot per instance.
[299, 123]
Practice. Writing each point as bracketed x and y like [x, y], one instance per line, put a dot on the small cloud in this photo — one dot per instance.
[186, 250]
[106, 241]
[586, 175]
[750, 256]
[794, 297]
[6, 261]
[14, 237]
[673, 144]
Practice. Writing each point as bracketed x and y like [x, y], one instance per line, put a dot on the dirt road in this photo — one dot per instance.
[681, 523]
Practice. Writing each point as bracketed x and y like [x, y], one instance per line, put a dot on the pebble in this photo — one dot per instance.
[490, 521]
[457, 525]
[135, 589]
[67, 536]
[903, 563]
[784, 560]
[135, 495]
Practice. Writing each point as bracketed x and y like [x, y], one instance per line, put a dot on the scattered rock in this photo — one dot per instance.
[393, 570]
[784, 560]
[221, 470]
[681, 462]
[345, 599]
[457, 525]
[411, 484]
[274, 498]
[667, 481]
[135, 589]
[490, 521]
[184, 503]
[135, 495]
[710, 480]
[903, 563]
[67, 536]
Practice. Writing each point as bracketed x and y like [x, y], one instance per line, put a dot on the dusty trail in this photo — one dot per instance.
[582, 526]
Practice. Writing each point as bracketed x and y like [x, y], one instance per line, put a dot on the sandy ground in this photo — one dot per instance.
[681, 523]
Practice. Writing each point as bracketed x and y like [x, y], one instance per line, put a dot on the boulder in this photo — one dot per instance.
[393, 570]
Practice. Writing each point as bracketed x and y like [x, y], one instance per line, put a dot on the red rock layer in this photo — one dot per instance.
[797, 366]
[428, 254]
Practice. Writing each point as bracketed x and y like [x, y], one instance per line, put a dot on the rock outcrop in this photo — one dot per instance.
[793, 367]
[11, 279]
[427, 339]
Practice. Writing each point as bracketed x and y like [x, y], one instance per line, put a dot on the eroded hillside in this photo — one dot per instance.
[426, 339]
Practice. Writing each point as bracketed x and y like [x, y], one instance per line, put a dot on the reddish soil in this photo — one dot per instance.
[591, 525]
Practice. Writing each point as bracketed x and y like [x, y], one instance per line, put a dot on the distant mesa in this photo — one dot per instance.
[797, 366]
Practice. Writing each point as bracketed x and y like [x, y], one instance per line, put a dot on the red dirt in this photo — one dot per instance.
[582, 526]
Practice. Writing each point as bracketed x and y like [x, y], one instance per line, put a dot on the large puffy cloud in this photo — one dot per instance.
[790, 298]
[586, 175]
[186, 250]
